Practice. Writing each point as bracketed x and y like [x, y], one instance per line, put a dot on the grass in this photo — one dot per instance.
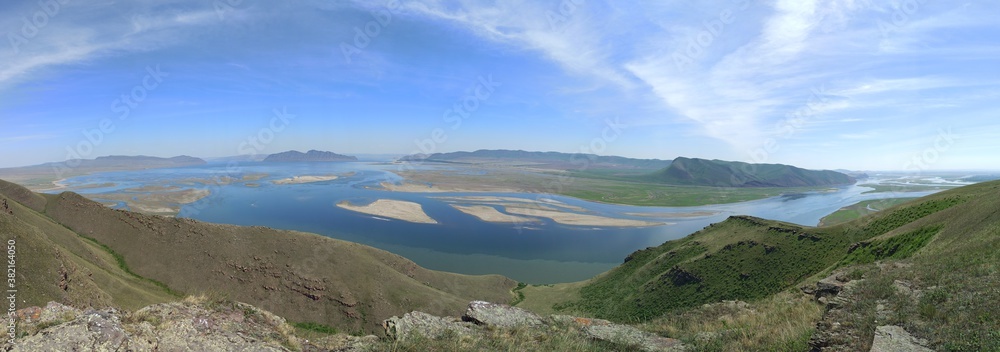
[879, 188]
[745, 258]
[896, 247]
[316, 327]
[653, 194]
[520, 295]
[782, 322]
[124, 267]
[860, 209]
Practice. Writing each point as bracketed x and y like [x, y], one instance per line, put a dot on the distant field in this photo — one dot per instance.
[907, 188]
[860, 209]
[647, 194]
[597, 185]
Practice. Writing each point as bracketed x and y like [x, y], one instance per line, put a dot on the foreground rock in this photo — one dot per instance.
[191, 325]
[835, 331]
[482, 316]
[894, 339]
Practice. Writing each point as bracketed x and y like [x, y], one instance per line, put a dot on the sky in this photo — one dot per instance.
[834, 84]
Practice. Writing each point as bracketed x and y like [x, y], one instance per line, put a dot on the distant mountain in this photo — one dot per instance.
[701, 172]
[554, 160]
[310, 156]
[246, 158]
[132, 162]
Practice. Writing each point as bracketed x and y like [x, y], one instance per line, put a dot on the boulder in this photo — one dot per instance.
[891, 338]
[500, 315]
[423, 324]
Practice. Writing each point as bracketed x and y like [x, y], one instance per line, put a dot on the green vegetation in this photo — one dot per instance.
[903, 189]
[949, 244]
[782, 322]
[654, 194]
[124, 266]
[520, 295]
[316, 327]
[860, 209]
[706, 267]
[896, 247]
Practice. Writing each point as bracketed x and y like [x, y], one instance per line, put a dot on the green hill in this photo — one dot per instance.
[76, 251]
[946, 246]
[718, 173]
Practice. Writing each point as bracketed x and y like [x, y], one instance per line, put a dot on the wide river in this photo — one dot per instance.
[538, 254]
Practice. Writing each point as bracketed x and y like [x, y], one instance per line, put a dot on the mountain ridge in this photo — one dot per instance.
[720, 173]
[310, 156]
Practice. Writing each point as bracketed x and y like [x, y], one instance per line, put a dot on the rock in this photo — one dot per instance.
[603, 330]
[98, 330]
[894, 339]
[190, 325]
[500, 315]
[340, 343]
[630, 336]
[829, 286]
[425, 325]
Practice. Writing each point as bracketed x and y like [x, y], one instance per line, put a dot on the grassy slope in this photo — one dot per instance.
[303, 277]
[951, 240]
[54, 264]
[859, 209]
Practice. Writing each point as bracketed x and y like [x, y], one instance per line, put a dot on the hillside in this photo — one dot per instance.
[931, 266]
[310, 156]
[718, 173]
[548, 160]
[76, 251]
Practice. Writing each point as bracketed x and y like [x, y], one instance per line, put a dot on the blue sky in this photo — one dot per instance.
[859, 84]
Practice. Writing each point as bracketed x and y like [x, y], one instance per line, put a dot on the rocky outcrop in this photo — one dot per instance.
[500, 315]
[425, 325]
[835, 332]
[191, 325]
[481, 316]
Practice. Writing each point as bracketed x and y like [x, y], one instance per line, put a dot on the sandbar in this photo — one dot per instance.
[491, 214]
[254, 177]
[305, 179]
[389, 208]
[567, 218]
[694, 214]
[546, 203]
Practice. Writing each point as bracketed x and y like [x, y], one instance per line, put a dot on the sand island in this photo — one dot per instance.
[395, 209]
